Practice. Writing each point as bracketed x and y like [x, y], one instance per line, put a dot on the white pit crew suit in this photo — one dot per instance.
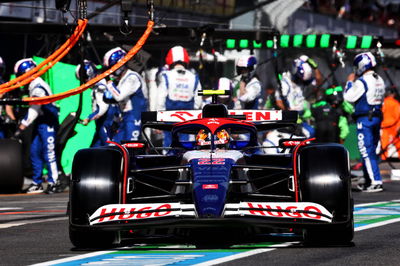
[178, 90]
[130, 93]
[367, 92]
[103, 113]
[44, 133]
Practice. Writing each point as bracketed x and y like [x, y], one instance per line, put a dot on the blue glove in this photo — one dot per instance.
[108, 95]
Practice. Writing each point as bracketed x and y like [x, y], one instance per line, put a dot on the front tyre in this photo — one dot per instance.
[11, 177]
[324, 178]
[96, 174]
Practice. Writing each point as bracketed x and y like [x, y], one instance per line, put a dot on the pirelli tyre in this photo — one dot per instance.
[11, 177]
[324, 178]
[96, 175]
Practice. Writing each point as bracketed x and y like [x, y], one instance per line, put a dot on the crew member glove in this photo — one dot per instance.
[17, 134]
[108, 98]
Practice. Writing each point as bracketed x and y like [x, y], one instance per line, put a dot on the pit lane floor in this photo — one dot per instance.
[34, 229]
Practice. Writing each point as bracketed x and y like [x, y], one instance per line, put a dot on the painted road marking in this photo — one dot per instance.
[245, 254]
[10, 208]
[376, 214]
[8, 225]
[139, 257]
[366, 216]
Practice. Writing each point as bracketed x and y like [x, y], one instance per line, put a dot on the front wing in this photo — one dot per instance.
[291, 212]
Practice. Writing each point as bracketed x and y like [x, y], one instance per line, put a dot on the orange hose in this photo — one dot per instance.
[68, 44]
[90, 83]
[47, 67]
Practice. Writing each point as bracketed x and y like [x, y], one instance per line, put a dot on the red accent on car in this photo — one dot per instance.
[291, 143]
[214, 123]
[215, 161]
[296, 187]
[210, 186]
[126, 168]
[134, 145]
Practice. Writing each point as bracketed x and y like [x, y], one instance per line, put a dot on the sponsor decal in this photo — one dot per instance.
[214, 161]
[251, 115]
[361, 145]
[299, 210]
[134, 145]
[124, 212]
[50, 149]
[291, 143]
[210, 186]
[213, 121]
[254, 116]
[178, 116]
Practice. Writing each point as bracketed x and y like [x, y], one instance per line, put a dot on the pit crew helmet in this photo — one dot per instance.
[2, 66]
[23, 66]
[301, 69]
[90, 70]
[363, 62]
[175, 55]
[113, 56]
[204, 139]
[245, 62]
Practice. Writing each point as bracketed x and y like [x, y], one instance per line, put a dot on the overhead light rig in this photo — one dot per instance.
[305, 41]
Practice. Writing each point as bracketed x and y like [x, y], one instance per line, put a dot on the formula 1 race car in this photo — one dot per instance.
[214, 185]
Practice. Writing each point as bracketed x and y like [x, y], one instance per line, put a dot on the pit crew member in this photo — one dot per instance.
[45, 124]
[7, 113]
[366, 89]
[330, 116]
[247, 85]
[390, 124]
[103, 114]
[294, 83]
[178, 89]
[130, 93]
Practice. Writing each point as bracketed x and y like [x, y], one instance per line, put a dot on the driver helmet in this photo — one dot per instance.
[90, 70]
[204, 139]
[363, 62]
[245, 62]
[177, 55]
[301, 69]
[23, 66]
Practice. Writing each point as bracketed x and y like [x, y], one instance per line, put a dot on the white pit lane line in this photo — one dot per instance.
[8, 225]
[10, 208]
